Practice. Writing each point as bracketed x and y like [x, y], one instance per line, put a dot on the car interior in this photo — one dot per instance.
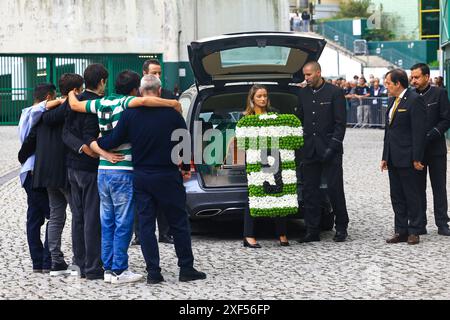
[223, 163]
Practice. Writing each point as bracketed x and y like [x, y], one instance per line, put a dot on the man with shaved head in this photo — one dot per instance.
[322, 110]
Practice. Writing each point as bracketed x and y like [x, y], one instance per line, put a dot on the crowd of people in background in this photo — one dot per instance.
[366, 98]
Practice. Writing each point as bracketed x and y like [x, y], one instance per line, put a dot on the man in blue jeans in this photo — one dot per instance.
[157, 179]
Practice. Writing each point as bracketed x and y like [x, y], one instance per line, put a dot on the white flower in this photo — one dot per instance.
[268, 116]
[272, 132]
[287, 201]
[258, 178]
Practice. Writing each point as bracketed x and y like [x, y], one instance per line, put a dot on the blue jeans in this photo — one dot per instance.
[115, 188]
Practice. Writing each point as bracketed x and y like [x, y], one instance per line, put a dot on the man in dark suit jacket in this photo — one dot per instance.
[50, 170]
[438, 122]
[404, 145]
[322, 110]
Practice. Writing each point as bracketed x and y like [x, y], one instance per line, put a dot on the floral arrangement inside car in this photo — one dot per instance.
[270, 141]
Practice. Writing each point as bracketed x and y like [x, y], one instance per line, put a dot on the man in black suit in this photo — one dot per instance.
[82, 166]
[404, 145]
[322, 110]
[438, 122]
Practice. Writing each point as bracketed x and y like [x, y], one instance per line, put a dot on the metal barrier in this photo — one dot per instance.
[19, 74]
[367, 112]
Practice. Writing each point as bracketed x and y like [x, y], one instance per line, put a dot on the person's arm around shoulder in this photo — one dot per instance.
[55, 116]
[79, 106]
[136, 102]
[50, 105]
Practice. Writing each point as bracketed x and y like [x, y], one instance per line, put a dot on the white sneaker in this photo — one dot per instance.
[126, 277]
[108, 275]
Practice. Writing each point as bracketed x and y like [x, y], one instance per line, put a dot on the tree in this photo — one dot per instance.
[354, 9]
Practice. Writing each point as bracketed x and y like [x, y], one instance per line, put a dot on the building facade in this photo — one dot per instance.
[151, 28]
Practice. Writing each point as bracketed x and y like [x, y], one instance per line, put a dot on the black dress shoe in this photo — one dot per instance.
[340, 236]
[166, 239]
[249, 245]
[445, 231]
[310, 237]
[155, 278]
[190, 274]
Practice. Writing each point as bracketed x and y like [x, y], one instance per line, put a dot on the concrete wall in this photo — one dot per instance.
[336, 64]
[132, 26]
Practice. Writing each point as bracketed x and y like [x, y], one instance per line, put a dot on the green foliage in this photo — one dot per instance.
[354, 9]
[382, 34]
[434, 64]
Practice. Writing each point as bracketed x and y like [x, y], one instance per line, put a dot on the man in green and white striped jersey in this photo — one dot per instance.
[115, 181]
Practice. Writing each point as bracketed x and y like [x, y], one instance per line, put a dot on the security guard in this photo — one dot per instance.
[438, 122]
[404, 144]
[322, 110]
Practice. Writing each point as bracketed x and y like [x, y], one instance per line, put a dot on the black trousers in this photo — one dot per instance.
[406, 199]
[437, 166]
[249, 225]
[163, 225]
[165, 190]
[313, 170]
[86, 228]
[38, 211]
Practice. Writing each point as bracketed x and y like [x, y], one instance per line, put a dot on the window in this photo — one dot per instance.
[255, 56]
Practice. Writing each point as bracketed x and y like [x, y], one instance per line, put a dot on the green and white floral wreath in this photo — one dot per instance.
[272, 179]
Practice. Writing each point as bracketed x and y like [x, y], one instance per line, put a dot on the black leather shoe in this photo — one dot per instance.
[340, 236]
[166, 239]
[310, 237]
[445, 231]
[190, 274]
[249, 245]
[136, 242]
[155, 278]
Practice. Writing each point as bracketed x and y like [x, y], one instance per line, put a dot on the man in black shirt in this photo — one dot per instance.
[322, 110]
[438, 122]
[82, 163]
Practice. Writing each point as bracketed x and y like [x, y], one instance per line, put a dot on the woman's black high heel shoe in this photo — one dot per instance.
[284, 243]
[249, 245]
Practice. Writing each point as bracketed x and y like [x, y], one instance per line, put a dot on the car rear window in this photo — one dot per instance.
[269, 55]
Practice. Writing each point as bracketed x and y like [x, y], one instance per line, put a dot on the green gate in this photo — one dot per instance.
[19, 74]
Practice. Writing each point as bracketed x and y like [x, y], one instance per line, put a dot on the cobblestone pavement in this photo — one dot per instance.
[365, 267]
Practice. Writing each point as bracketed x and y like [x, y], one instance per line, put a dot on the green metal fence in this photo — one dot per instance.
[19, 74]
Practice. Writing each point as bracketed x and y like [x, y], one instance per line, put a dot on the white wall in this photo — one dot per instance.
[130, 26]
[335, 64]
